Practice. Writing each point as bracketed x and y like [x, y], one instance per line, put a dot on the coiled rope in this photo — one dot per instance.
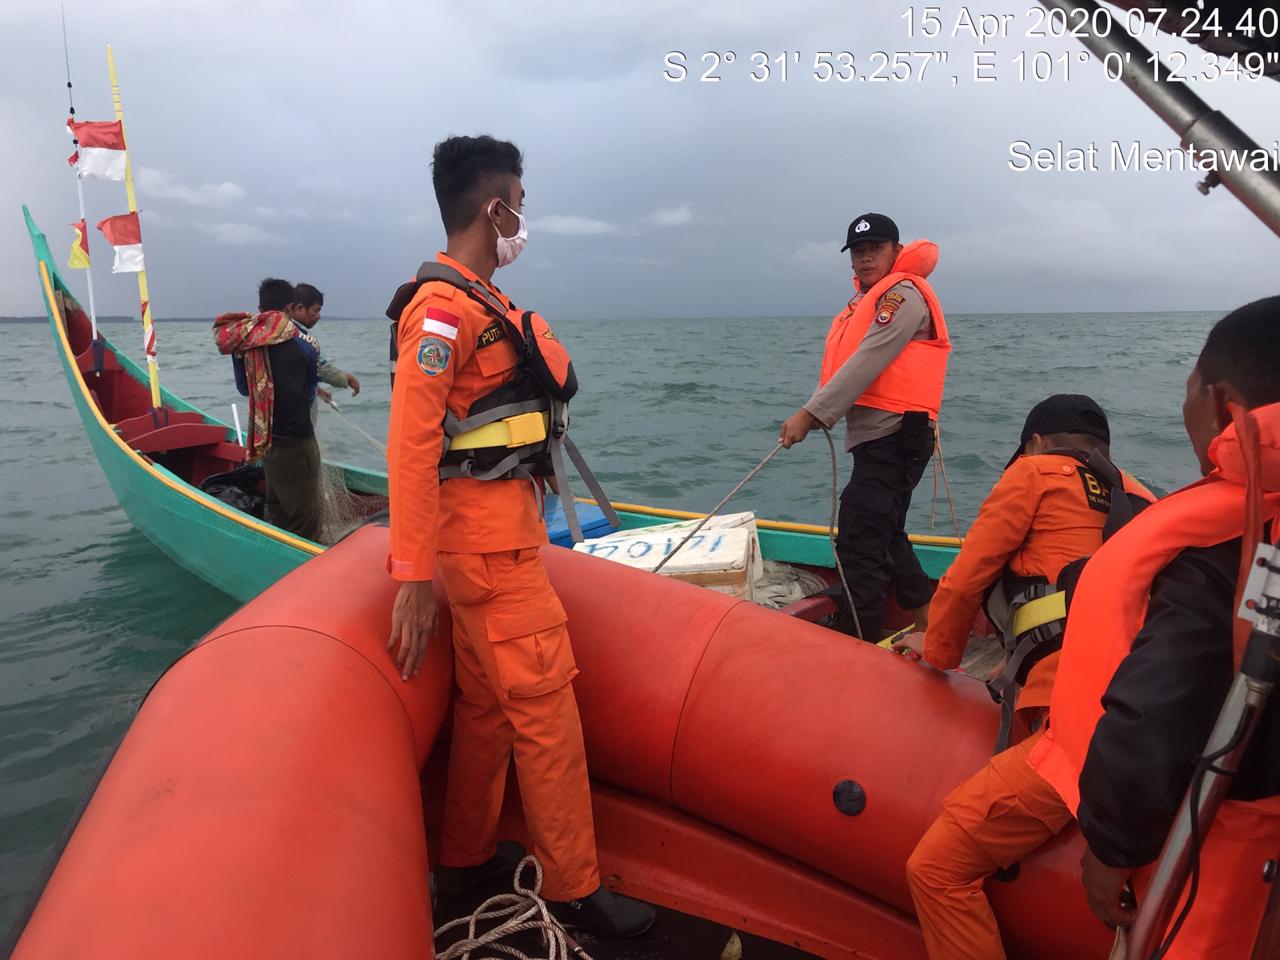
[512, 913]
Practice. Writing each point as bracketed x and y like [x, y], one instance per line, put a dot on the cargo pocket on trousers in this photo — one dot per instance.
[535, 663]
[528, 636]
[867, 496]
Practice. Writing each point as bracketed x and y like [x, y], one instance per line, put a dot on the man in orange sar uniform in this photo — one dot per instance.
[1047, 510]
[1152, 646]
[512, 657]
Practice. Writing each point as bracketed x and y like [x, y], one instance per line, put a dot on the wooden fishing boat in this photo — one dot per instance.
[156, 463]
[748, 767]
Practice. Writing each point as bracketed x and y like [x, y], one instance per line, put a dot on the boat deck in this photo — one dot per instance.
[675, 936]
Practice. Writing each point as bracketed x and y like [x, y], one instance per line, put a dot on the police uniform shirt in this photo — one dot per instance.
[909, 320]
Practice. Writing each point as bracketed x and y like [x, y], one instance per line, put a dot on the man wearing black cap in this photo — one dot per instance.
[882, 371]
[1051, 507]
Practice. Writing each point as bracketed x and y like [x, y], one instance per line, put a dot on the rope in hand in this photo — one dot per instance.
[381, 447]
[716, 509]
[848, 595]
[515, 913]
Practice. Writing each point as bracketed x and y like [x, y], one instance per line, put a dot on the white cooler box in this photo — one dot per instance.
[724, 555]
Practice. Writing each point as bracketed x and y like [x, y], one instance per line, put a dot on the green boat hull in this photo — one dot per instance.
[241, 555]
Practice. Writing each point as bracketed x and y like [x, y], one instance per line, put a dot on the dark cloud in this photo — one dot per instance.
[292, 138]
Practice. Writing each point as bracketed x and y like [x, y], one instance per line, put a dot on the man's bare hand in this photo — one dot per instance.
[796, 428]
[1106, 889]
[325, 395]
[413, 621]
[910, 645]
[354, 384]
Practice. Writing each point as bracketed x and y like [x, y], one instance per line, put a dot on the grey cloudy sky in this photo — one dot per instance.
[293, 137]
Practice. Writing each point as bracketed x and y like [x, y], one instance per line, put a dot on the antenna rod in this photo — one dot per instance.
[71, 107]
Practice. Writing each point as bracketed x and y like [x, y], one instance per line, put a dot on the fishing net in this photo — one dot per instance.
[342, 510]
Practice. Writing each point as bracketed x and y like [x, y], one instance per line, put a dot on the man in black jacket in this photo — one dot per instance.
[1173, 677]
[277, 367]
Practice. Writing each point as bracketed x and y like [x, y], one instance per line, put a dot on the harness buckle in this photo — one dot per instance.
[996, 694]
[526, 428]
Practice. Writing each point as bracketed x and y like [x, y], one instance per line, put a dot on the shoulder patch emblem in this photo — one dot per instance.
[433, 355]
[888, 306]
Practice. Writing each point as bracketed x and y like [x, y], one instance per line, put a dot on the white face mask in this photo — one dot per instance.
[509, 247]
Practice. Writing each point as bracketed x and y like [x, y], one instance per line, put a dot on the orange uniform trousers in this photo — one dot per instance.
[991, 821]
[513, 665]
[1232, 896]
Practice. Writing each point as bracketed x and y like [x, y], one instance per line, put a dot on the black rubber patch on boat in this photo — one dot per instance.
[849, 797]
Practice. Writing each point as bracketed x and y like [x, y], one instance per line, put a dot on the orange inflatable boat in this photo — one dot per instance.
[747, 767]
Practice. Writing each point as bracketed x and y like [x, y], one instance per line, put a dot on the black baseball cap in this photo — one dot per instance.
[871, 226]
[1064, 413]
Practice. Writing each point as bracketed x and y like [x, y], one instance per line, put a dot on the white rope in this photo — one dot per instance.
[835, 553]
[378, 445]
[716, 509]
[513, 913]
[946, 482]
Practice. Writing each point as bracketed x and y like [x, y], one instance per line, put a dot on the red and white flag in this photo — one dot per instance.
[100, 151]
[440, 322]
[125, 235]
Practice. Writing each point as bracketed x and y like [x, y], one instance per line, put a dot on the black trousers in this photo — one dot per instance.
[872, 540]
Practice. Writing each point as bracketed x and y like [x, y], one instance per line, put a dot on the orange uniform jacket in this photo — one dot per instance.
[451, 353]
[1038, 518]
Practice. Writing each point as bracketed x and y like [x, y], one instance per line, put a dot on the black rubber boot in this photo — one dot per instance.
[453, 881]
[605, 914]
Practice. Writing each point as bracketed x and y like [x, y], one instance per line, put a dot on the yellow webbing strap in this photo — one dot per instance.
[893, 638]
[1039, 612]
[517, 431]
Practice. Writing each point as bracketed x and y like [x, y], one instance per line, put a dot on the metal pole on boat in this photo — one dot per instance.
[148, 331]
[1199, 127]
[71, 107]
[1151, 933]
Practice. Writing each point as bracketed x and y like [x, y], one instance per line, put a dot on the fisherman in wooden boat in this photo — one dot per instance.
[1059, 497]
[1151, 647]
[882, 371]
[308, 304]
[472, 517]
[277, 367]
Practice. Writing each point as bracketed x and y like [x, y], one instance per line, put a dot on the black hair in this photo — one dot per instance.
[275, 294]
[1243, 350]
[305, 295]
[1079, 441]
[466, 171]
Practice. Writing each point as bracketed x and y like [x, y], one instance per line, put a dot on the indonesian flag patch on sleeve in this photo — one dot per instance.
[440, 322]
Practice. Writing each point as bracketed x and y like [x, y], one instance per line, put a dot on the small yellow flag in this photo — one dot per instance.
[79, 258]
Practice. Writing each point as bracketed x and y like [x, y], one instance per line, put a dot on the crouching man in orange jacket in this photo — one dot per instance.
[1151, 648]
[1051, 506]
[473, 518]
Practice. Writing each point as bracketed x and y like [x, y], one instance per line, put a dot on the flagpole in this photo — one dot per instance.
[88, 273]
[148, 331]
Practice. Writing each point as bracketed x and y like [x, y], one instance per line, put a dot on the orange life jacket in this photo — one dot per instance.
[1105, 617]
[1110, 602]
[913, 381]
